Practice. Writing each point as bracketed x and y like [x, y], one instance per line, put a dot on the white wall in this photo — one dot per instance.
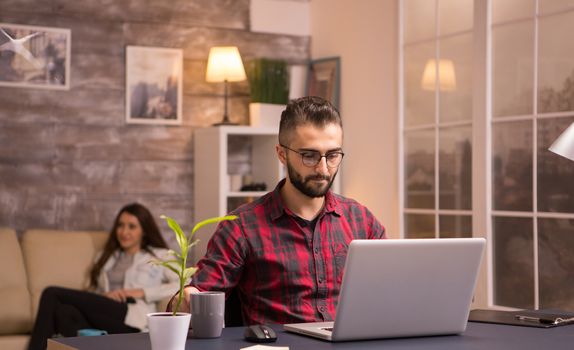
[364, 33]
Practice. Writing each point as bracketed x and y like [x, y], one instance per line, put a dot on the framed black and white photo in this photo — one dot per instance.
[37, 57]
[154, 85]
[323, 79]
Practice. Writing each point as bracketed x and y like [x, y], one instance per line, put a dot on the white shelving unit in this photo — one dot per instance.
[213, 152]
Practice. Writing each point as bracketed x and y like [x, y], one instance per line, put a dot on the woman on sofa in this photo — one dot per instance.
[125, 286]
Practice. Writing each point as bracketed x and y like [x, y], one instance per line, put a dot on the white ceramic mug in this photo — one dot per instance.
[208, 314]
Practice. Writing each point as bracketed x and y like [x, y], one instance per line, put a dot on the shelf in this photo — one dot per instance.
[231, 150]
[240, 194]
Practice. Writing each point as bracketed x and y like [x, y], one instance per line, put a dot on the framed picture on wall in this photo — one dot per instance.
[37, 57]
[323, 79]
[154, 85]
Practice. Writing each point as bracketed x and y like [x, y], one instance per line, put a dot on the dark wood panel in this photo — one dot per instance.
[26, 141]
[144, 142]
[196, 41]
[231, 14]
[203, 111]
[54, 177]
[156, 177]
[68, 160]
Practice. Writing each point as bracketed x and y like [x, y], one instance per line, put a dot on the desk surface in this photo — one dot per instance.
[476, 336]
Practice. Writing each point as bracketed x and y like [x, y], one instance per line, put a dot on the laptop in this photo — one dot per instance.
[403, 288]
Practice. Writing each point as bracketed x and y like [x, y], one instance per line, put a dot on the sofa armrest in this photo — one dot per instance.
[59, 258]
[16, 312]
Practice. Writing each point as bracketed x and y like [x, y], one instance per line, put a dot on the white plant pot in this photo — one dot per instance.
[168, 332]
[265, 114]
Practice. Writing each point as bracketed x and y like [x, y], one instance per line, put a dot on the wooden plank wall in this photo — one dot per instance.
[67, 158]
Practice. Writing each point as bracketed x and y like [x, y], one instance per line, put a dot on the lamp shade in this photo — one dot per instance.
[564, 144]
[224, 64]
[447, 77]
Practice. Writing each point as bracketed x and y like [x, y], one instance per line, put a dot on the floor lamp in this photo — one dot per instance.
[224, 65]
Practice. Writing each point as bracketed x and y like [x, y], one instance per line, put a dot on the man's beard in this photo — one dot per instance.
[305, 186]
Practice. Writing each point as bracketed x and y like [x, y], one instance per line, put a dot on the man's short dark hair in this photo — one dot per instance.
[307, 110]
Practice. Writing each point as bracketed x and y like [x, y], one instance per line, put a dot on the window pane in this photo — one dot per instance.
[419, 226]
[455, 167]
[419, 103]
[545, 6]
[506, 10]
[556, 64]
[455, 226]
[456, 103]
[455, 15]
[419, 19]
[513, 262]
[512, 69]
[512, 166]
[419, 169]
[555, 173]
[556, 263]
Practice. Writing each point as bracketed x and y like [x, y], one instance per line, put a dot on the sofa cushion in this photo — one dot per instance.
[15, 311]
[59, 258]
[14, 342]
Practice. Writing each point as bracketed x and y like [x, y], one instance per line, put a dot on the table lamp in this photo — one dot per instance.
[447, 76]
[224, 65]
[564, 144]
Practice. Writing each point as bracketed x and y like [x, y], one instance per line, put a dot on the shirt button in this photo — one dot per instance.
[320, 281]
[322, 308]
[316, 250]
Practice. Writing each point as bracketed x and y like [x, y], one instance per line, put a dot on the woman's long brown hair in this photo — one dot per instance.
[151, 237]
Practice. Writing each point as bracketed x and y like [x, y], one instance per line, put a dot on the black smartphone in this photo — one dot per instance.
[130, 300]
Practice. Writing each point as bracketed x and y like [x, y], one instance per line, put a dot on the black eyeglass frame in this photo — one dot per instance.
[318, 160]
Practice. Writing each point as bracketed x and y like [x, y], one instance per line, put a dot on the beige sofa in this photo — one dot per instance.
[41, 258]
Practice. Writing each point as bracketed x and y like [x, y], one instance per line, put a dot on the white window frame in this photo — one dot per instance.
[482, 122]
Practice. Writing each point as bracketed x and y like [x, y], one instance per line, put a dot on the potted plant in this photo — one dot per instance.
[168, 330]
[269, 88]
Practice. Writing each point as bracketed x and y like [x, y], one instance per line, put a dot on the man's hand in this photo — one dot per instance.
[184, 307]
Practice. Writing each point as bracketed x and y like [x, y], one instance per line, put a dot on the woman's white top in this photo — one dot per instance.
[156, 281]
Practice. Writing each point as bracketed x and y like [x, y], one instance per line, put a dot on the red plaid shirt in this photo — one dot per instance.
[284, 272]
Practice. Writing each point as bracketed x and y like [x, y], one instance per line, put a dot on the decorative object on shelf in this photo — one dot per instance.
[168, 330]
[564, 144]
[447, 76]
[297, 80]
[255, 186]
[224, 65]
[37, 57]
[324, 78]
[235, 182]
[154, 85]
[269, 87]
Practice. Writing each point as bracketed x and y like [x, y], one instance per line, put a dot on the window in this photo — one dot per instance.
[529, 101]
[437, 122]
[532, 188]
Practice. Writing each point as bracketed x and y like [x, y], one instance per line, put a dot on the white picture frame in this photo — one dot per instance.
[35, 57]
[154, 85]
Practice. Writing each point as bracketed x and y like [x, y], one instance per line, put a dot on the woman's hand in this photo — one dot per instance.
[121, 295]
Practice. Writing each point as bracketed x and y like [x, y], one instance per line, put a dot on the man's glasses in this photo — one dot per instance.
[312, 158]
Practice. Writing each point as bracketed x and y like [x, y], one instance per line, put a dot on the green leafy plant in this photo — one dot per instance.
[268, 81]
[177, 262]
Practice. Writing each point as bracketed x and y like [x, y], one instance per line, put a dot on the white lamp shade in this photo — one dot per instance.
[447, 77]
[224, 64]
[564, 144]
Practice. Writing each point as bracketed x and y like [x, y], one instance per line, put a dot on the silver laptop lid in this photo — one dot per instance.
[407, 287]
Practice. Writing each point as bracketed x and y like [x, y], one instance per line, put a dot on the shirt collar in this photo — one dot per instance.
[278, 207]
